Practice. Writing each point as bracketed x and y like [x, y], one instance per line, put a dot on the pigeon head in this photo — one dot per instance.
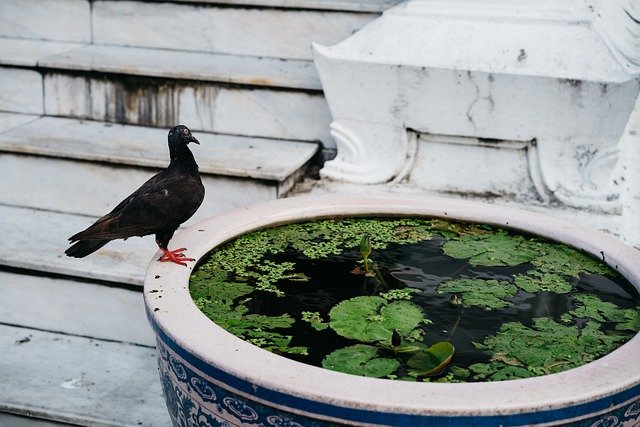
[181, 135]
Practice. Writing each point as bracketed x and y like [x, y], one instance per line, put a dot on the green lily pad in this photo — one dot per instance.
[433, 360]
[360, 359]
[373, 319]
[488, 294]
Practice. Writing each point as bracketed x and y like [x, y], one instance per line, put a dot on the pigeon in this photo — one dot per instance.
[158, 207]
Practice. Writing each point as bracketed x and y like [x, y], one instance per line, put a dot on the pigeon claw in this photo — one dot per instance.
[175, 256]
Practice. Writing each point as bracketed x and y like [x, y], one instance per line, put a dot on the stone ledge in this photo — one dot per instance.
[79, 381]
[172, 64]
[245, 157]
[35, 240]
[333, 5]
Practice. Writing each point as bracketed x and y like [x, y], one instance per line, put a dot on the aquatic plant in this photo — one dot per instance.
[543, 348]
[380, 324]
[373, 319]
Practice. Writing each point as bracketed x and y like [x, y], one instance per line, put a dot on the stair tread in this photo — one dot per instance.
[79, 380]
[27, 53]
[174, 64]
[258, 158]
[335, 5]
[36, 240]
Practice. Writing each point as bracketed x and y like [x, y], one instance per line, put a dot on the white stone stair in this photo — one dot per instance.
[240, 95]
[103, 163]
[77, 381]
[87, 92]
[243, 68]
[42, 288]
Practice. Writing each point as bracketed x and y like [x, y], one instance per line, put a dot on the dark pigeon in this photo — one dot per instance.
[158, 207]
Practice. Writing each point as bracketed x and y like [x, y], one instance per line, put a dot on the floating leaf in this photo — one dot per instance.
[360, 359]
[545, 348]
[499, 249]
[455, 229]
[224, 287]
[373, 319]
[496, 371]
[314, 319]
[594, 308]
[395, 294]
[564, 260]
[433, 360]
[535, 281]
[488, 294]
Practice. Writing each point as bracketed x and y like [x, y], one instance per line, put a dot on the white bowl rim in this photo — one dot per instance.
[171, 309]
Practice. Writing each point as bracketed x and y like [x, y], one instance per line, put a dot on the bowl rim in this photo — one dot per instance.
[263, 376]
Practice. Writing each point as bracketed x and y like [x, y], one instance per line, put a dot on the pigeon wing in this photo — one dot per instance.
[151, 208]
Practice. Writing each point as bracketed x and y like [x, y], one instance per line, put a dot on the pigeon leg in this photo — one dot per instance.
[175, 256]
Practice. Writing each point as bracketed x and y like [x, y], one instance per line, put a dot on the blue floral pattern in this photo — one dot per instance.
[195, 400]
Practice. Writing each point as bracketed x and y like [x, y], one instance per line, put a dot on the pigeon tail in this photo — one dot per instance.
[85, 247]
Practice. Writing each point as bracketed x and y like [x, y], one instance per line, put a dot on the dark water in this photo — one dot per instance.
[423, 266]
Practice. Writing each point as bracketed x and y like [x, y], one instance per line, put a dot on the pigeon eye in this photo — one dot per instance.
[185, 131]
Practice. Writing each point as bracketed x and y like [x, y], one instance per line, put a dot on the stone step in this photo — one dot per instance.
[35, 240]
[44, 158]
[242, 28]
[239, 95]
[337, 5]
[80, 381]
[68, 305]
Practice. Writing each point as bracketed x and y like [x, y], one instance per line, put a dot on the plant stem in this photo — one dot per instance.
[455, 325]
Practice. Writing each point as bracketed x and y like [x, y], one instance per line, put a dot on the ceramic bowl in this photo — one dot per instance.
[211, 377]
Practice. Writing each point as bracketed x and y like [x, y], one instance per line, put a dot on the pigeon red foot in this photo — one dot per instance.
[176, 256]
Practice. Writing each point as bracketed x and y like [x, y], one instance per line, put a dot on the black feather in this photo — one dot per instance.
[85, 247]
[158, 207]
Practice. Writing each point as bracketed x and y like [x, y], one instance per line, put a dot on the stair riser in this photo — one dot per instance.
[95, 188]
[202, 106]
[67, 20]
[21, 91]
[278, 33]
[71, 307]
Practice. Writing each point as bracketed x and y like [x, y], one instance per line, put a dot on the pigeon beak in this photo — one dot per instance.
[193, 139]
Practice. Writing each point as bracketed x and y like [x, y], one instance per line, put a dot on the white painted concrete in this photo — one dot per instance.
[64, 20]
[70, 307]
[453, 165]
[243, 31]
[21, 91]
[628, 177]
[491, 69]
[617, 20]
[81, 381]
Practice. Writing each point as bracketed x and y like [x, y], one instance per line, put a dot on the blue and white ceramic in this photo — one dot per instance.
[210, 377]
